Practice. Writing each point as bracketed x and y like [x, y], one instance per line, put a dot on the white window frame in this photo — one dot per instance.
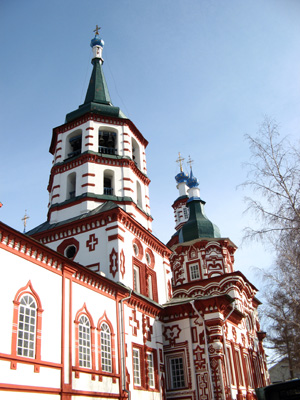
[151, 371]
[105, 343]
[84, 342]
[177, 372]
[27, 319]
[194, 273]
[136, 360]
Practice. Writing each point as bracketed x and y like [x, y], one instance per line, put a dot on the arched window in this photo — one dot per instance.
[135, 148]
[27, 327]
[108, 182]
[106, 346]
[71, 186]
[107, 142]
[105, 338]
[73, 144]
[84, 342]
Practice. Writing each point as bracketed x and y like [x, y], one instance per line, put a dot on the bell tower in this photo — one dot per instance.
[99, 212]
[98, 155]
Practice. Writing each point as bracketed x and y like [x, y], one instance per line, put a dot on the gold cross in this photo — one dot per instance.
[179, 160]
[190, 162]
[97, 30]
[25, 218]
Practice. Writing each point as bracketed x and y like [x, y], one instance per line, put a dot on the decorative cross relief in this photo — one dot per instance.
[147, 328]
[92, 242]
[134, 323]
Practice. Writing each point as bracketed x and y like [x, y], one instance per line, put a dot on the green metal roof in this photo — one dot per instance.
[97, 91]
[198, 225]
[97, 99]
[109, 205]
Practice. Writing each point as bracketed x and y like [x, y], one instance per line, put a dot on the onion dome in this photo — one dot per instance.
[181, 177]
[97, 41]
[192, 181]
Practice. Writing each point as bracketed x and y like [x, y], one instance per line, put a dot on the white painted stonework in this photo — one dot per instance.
[127, 171]
[94, 306]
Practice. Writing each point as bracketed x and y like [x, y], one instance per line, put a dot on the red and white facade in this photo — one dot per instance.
[213, 324]
[85, 177]
[96, 307]
[70, 333]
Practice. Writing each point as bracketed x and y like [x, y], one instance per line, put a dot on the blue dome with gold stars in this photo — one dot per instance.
[192, 181]
[181, 177]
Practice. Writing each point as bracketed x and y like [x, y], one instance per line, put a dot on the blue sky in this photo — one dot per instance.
[193, 75]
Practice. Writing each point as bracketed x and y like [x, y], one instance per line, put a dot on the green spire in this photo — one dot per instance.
[97, 99]
[97, 91]
[198, 225]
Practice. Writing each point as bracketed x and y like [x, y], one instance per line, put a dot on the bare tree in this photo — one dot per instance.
[274, 177]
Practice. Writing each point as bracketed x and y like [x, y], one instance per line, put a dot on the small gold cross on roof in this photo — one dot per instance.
[24, 219]
[97, 30]
[190, 162]
[179, 160]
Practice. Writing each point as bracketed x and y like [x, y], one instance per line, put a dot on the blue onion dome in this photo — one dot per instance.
[181, 177]
[192, 181]
[97, 41]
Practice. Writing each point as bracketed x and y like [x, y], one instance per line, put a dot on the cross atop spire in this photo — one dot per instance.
[179, 161]
[97, 30]
[190, 161]
[97, 99]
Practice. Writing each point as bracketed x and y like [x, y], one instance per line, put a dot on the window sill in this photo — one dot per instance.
[95, 373]
[143, 389]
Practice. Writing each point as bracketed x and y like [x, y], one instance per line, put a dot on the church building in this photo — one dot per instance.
[94, 306]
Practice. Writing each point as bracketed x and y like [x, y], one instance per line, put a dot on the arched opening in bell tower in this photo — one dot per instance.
[71, 186]
[107, 142]
[135, 148]
[73, 144]
[108, 182]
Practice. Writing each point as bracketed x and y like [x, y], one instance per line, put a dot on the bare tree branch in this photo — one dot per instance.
[274, 178]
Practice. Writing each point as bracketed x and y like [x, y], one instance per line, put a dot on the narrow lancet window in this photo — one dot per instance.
[106, 361]
[27, 327]
[84, 330]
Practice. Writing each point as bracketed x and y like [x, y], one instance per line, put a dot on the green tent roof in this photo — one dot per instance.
[97, 99]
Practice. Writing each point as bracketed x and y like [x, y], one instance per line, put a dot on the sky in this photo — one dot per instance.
[194, 76]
